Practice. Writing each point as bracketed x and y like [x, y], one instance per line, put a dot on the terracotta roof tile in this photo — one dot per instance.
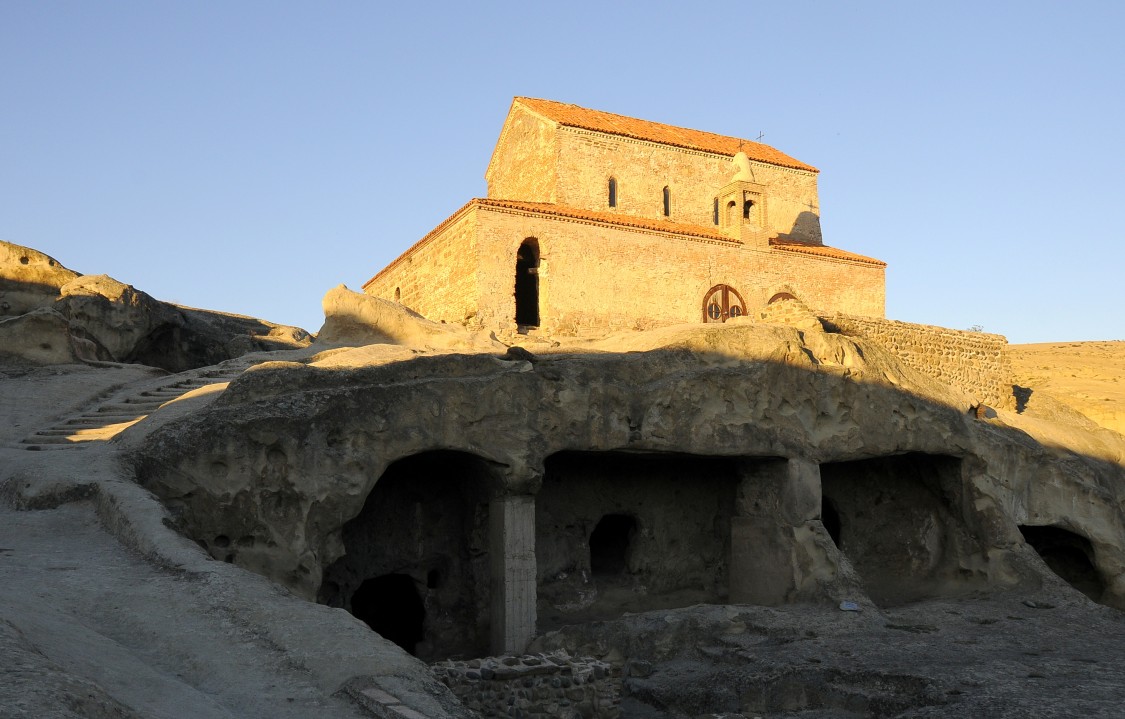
[822, 251]
[580, 117]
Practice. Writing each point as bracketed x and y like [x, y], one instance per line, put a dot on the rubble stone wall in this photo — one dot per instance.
[976, 362]
[540, 686]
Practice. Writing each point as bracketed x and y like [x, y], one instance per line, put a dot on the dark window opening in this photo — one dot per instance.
[390, 605]
[715, 212]
[830, 518]
[398, 294]
[612, 192]
[609, 544]
[527, 283]
[1069, 555]
[667, 202]
[747, 206]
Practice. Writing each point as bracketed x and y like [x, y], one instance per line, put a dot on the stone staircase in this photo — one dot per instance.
[116, 411]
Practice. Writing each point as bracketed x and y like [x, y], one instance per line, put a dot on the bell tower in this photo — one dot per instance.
[742, 206]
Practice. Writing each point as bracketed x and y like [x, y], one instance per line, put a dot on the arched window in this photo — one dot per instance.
[667, 202]
[527, 283]
[398, 294]
[612, 192]
[721, 303]
[781, 296]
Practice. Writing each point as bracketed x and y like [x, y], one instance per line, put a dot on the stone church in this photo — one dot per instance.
[597, 222]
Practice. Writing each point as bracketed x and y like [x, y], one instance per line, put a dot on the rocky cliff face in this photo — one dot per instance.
[270, 475]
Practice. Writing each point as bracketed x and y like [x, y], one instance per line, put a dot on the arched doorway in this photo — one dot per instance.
[721, 303]
[527, 283]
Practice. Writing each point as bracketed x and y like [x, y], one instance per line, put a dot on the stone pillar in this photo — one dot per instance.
[771, 541]
[512, 554]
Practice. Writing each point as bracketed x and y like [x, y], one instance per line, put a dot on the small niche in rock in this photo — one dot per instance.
[390, 605]
[609, 544]
[1069, 555]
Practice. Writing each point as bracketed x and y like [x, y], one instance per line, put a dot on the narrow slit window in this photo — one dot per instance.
[667, 202]
[612, 192]
[715, 212]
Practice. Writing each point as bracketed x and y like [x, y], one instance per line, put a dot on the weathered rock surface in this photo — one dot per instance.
[29, 279]
[353, 318]
[108, 320]
[291, 451]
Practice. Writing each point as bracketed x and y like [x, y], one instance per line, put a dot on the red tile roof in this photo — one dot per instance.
[822, 251]
[607, 122]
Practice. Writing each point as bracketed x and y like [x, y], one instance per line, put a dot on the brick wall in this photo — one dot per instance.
[524, 164]
[586, 161]
[976, 362]
[598, 278]
[541, 686]
[436, 278]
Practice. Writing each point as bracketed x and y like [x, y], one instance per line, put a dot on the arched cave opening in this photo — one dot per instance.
[830, 518]
[527, 283]
[897, 521]
[390, 605]
[1069, 555]
[623, 532]
[609, 544]
[422, 534]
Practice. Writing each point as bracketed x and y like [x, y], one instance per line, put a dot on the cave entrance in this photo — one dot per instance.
[390, 605]
[1069, 555]
[527, 283]
[897, 520]
[416, 562]
[609, 544]
[623, 532]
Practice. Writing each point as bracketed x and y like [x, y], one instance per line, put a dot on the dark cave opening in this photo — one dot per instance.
[623, 532]
[896, 520]
[390, 605]
[609, 544]
[1069, 555]
[830, 518]
[423, 528]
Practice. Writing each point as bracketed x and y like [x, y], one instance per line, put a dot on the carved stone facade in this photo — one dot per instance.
[597, 222]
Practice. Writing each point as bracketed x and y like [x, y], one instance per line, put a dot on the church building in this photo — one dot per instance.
[596, 222]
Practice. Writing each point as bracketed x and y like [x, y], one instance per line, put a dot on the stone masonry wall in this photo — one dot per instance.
[541, 686]
[524, 165]
[437, 278]
[596, 278]
[975, 362]
[642, 169]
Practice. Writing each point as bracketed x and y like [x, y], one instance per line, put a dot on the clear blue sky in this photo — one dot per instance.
[248, 156]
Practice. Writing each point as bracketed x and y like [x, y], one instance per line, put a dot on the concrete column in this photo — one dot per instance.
[512, 554]
[777, 499]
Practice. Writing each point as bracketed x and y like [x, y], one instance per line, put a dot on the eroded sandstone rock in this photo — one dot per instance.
[814, 462]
